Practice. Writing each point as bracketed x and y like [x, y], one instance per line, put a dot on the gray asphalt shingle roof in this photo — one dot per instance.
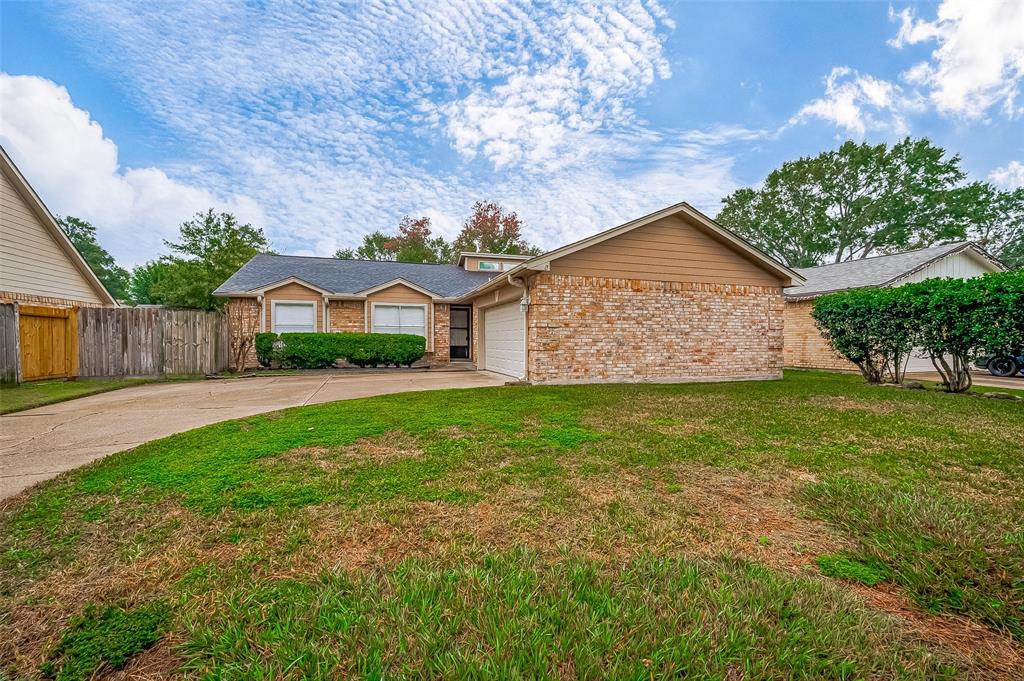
[876, 271]
[347, 277]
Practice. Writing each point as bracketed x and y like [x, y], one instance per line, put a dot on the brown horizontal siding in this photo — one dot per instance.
[293, 293]
[671, 249]
[402, 294]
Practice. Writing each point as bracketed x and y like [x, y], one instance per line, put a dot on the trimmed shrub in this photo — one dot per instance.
[870, 327]
[954, 320]
[265, 348]
[320, 350]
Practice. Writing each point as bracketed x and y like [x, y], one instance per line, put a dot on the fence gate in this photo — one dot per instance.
[48, 341]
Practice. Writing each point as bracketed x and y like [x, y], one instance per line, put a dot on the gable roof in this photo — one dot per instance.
[356, 278]
[349, 277]
[543, 261]
[880, 270]
[49, 223]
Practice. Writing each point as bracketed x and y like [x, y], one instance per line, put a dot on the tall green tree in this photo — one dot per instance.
[995, 219]
[211, 247]
[142, 284]
[852, 202]
[489, 229]
[374, 247]
[83, 235]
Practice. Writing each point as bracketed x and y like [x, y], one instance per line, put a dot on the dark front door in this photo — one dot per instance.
[458, 339]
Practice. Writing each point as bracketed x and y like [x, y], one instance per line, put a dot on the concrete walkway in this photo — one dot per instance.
[40, 443]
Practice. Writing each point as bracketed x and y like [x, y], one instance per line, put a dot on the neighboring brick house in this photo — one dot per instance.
[672, 296]
[38, 264]
[806, 348]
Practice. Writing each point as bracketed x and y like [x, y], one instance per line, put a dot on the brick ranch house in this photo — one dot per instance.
[804, 345]
[38, 263]
[672, 296]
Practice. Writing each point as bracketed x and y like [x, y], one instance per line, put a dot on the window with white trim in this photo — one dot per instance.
[490, 265]
[400, 319]
[294, 317]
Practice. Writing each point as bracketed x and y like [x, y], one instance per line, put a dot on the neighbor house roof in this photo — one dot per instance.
[49, 223]
[349, 277]
[880, 270]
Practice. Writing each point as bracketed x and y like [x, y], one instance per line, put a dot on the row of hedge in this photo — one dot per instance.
[321, 350]
[953, 320]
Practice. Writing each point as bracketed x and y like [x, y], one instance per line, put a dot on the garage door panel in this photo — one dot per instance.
[505, 340]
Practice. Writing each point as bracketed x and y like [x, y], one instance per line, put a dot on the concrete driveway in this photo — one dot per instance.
[40, 443]
[981, 379]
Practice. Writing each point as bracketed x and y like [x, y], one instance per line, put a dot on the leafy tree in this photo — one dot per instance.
[995, 219]
[374, 247]
[83, 236]
[414, 243]
[211, 248]
[852, 202]
[491, 230]
[142, 283]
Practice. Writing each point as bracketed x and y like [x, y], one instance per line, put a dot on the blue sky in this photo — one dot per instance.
[322, 122]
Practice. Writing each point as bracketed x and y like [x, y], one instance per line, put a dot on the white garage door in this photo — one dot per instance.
[505, 340]
[917, 362]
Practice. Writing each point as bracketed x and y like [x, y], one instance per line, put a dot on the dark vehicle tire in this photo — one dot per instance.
[1003, 365]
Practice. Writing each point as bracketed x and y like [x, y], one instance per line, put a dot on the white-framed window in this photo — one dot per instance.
[394, 318]
[490, 266]
[294, 317]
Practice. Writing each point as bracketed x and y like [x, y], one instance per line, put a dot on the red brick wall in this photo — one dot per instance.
[31, 299]
[442, 334]
[346, 315]
[804, 345]
[250, 309]
[627, 330]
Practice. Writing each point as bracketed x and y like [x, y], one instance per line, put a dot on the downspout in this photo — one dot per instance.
[524, 306]
[524, 302]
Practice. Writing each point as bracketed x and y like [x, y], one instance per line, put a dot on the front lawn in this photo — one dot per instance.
[40, 393]
[814, 527]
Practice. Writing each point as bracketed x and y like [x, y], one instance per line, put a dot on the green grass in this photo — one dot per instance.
[107, 637]
[41, 393]
[705, 531]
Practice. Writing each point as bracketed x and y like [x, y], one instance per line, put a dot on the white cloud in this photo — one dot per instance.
[74, 168]
[341, 119]
[860, 103]
[979, 60]
[1010, 176]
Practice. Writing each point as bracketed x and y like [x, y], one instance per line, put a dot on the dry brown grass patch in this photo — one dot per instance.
[996, 655]
[387, 448]
[39, 612]
[846, 403]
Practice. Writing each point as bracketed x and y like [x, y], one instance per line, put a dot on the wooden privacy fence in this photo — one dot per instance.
[151, 341]
[8, 344]
[47, 342]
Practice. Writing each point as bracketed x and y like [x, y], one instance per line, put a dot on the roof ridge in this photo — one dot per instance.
[888, 255]
[332, 258]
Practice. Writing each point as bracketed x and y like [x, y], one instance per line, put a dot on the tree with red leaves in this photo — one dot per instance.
[491, 230]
